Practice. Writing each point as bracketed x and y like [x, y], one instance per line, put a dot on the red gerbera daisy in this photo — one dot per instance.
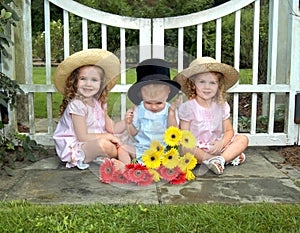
[129, 166]
[118, 177]
[106, 171]
[135, 173]
[168, 174]
[179, 179]
[147, 181]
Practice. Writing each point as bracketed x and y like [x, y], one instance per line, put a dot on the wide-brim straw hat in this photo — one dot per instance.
[204, 65]
[151, 71]
[99, 57]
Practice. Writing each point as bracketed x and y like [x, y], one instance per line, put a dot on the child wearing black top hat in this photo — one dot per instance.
[152, 114]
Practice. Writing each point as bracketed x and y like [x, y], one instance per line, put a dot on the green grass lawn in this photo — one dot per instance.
[40, 104]
[25, 217]
[40, 107]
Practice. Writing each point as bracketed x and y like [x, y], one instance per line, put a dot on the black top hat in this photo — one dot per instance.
[152, 71]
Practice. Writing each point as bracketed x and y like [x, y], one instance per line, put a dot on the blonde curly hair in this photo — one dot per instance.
[70, 91]
[191, 88]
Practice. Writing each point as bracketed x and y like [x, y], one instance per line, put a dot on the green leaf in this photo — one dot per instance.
[9, 171]
[20, 136]
[31, 157]
[10, 146]
[3, 12]
[3, 102]
[7, 15]
[4, 51]
[32, 143]
[14, 13]
[26, 146]
[11, 162]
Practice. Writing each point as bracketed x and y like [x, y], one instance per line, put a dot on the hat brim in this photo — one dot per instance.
[102, 58]
[134, 91]
[231, 75]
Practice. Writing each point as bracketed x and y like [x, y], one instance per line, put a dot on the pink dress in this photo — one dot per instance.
[205, 123]
[67, 146]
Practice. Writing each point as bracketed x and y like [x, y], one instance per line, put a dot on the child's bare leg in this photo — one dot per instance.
[131, 150]
[124, 157]
[238, 145]
[118, 164]
[199, 154]
[94, 149]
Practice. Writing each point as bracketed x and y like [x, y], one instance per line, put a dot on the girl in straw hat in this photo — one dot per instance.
[207, 114]
[84, 130]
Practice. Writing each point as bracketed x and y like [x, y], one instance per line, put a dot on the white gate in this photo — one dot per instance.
[274, 92]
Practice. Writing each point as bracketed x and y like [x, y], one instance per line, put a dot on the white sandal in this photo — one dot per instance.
[215, 164]
[238, 160]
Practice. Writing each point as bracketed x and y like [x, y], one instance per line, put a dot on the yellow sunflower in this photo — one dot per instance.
[172, 136]
[151, 158]
[171, 158]
[187, 162]
[156, 145]
[189, 175]
[156, 176]
[188, 140]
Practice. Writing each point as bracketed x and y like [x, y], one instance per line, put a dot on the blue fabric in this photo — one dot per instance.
[151, 126]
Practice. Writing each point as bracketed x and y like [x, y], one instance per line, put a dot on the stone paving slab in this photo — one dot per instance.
[262, 178]
[74, 186]
[237, 191]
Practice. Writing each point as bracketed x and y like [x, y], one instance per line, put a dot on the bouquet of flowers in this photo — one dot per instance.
[160, 162]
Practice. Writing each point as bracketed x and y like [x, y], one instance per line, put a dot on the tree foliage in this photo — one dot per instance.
[8, 88]
[7, 17]
[169, 8]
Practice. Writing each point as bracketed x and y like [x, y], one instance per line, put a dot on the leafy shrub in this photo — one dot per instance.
[7, 17]
[244, 123]
[18, 147]
[57, 43]
[22, 146]
[13, 147]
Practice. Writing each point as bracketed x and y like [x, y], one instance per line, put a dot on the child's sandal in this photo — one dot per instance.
[238, 160]
[216, 164]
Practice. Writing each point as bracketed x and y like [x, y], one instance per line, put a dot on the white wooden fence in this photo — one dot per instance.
[279, 65]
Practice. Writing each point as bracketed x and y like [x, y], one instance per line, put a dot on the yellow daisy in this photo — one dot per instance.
[171, 158]
[189, 175]
[151, 158]
[156, 145]
[156, 176]
[188, 140]
[187, 162]
[172, 136]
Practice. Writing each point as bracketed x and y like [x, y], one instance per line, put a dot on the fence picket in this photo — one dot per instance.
[155, 29]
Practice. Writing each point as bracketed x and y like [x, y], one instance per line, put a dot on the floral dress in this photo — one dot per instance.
[67, 145]
[206, 124]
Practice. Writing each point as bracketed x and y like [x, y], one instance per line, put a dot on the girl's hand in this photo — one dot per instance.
[110, 137]
[216, 147]
[176, 103]
[129, 116]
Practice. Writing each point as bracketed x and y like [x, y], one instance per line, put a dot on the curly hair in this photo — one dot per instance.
[191, 88]
[70, 91]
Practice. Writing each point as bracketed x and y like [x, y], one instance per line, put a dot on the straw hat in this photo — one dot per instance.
[207, 64]
[105, 59]
[150, 71]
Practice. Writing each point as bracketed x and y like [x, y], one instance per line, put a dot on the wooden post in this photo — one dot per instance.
[23, 55]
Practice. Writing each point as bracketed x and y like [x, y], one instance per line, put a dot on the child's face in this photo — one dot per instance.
[89, 81]
[155, 96]
[207, 85]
